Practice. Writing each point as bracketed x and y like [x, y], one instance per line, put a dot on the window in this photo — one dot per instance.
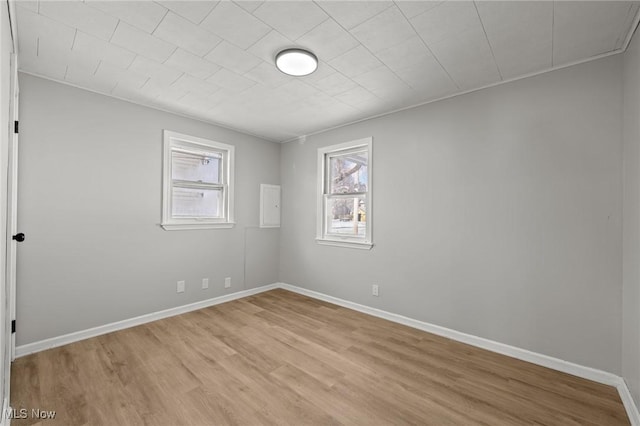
[197, 183]
[344, 194]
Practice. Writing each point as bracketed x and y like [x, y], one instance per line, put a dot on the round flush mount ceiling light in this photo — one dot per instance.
[296, 62]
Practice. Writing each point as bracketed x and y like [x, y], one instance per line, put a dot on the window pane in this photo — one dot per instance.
[346, 216]
[190, 202]
[195, 167]
[348, 173]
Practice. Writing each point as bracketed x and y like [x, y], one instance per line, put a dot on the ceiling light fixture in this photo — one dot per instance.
[296, 62]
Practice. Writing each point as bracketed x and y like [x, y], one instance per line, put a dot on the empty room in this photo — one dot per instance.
[319, 212]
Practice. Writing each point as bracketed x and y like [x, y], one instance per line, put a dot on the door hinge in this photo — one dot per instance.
[15, 126]
[13, 326]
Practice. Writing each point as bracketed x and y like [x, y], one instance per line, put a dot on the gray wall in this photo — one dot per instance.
[631, 219]
[496, 213]
[90, 204]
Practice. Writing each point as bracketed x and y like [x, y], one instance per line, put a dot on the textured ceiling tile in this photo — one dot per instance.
[248, 100]
[196, 101]
[145, 15]
[231, 81]
[44, 41]
[43, 66]
[414, 8]
[381, 81]
[165, 93]
[235, 25]
[119, 77]
[152, 89]
[133, 95]
[519, 33]
[194, 11]
[136, 40]
[291, 18]
[79, 15]
[155, 70]
[352, 13]
[304, 117]
[191, 64]
[266, 74]
[249, 5]
[427, 78]
[233, 58]
[384, 30]
[95, 48]
[31, 5]
[323, 70]
[410, 52]
[168, 99]
[354, 62]
[514, 64]
[328, 40]
[183, 33]
[468, 59]
[267, 47]
[359, 97]
[89, 81]
[587, 28]
[334, 84]
[37, 29]
[28, 45]
[222, 96]
[446, 20]
[53, 54]
[295, 90]
[195, 85]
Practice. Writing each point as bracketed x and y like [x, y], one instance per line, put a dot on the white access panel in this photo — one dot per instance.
[269, 206]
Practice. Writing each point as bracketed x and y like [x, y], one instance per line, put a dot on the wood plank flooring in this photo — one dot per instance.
[282, 358]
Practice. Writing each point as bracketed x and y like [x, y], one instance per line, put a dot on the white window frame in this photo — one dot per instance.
[322, 237]
[174, 141]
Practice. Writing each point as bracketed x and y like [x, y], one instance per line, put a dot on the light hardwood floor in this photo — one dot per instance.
[282, 358]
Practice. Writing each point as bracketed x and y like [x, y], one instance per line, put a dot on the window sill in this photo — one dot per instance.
[190, 226]
[345, 243]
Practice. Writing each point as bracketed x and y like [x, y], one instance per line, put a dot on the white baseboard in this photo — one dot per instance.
[629, 403]
[132, 322]
[490, 345]
[493, 346]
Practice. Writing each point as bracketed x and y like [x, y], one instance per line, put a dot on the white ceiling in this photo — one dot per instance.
[215, 60]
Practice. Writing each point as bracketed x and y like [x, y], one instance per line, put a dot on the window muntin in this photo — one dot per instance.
[344, 206]
[198, 183]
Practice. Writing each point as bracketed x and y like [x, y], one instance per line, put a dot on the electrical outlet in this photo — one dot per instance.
[205, 283]
[180, 287]
[375, 290]
[227, 282]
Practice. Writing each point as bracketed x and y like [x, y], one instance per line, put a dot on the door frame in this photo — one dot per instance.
[12, 203]
[8, 309]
